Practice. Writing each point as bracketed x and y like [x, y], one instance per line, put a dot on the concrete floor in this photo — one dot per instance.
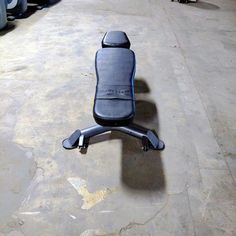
[185, 89]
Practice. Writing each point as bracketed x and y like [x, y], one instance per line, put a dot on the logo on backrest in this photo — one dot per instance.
[121, 92]
[114, 92]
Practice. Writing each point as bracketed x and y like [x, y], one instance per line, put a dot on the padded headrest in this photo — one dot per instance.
[115, 39]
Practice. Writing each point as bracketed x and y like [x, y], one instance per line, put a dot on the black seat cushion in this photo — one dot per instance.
[114, 103]
[114, 39]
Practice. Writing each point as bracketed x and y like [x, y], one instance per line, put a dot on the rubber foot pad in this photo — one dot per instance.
[67, 145]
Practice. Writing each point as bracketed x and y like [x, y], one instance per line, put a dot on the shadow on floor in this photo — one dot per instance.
[140, 170]
[204, 5]
[10, 26]
[145, 111]
[140, 86]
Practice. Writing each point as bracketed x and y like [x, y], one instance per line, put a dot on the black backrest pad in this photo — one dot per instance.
[114, 98]
[117, 39]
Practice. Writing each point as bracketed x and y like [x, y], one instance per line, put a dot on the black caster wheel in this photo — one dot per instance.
[85, 146]
[40, 7]
[11, 18]
[83, 149]
[145, 148]
[146, 145]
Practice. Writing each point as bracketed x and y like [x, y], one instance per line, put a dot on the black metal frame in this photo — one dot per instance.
[80, 138]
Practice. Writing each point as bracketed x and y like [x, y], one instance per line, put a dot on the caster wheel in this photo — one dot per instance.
[11, 18]
[84, 147]
[145, 148]
[146, 145]
[40, 7]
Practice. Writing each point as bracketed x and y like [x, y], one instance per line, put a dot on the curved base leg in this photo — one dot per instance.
[80, 138]
[72, 141]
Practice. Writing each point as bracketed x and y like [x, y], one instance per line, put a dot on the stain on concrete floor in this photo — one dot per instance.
[17, 169]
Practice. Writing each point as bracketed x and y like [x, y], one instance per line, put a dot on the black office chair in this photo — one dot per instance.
[3, 14]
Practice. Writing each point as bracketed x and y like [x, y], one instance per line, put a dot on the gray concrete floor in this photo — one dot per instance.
[186, 89]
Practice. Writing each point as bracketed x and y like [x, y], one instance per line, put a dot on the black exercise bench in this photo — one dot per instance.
[114, 103]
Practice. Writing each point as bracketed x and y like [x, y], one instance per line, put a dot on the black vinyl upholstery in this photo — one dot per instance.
[114, 103]
[116, 39]
[3, 14]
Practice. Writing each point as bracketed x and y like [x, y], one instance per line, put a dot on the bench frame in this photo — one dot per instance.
[80, 138]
